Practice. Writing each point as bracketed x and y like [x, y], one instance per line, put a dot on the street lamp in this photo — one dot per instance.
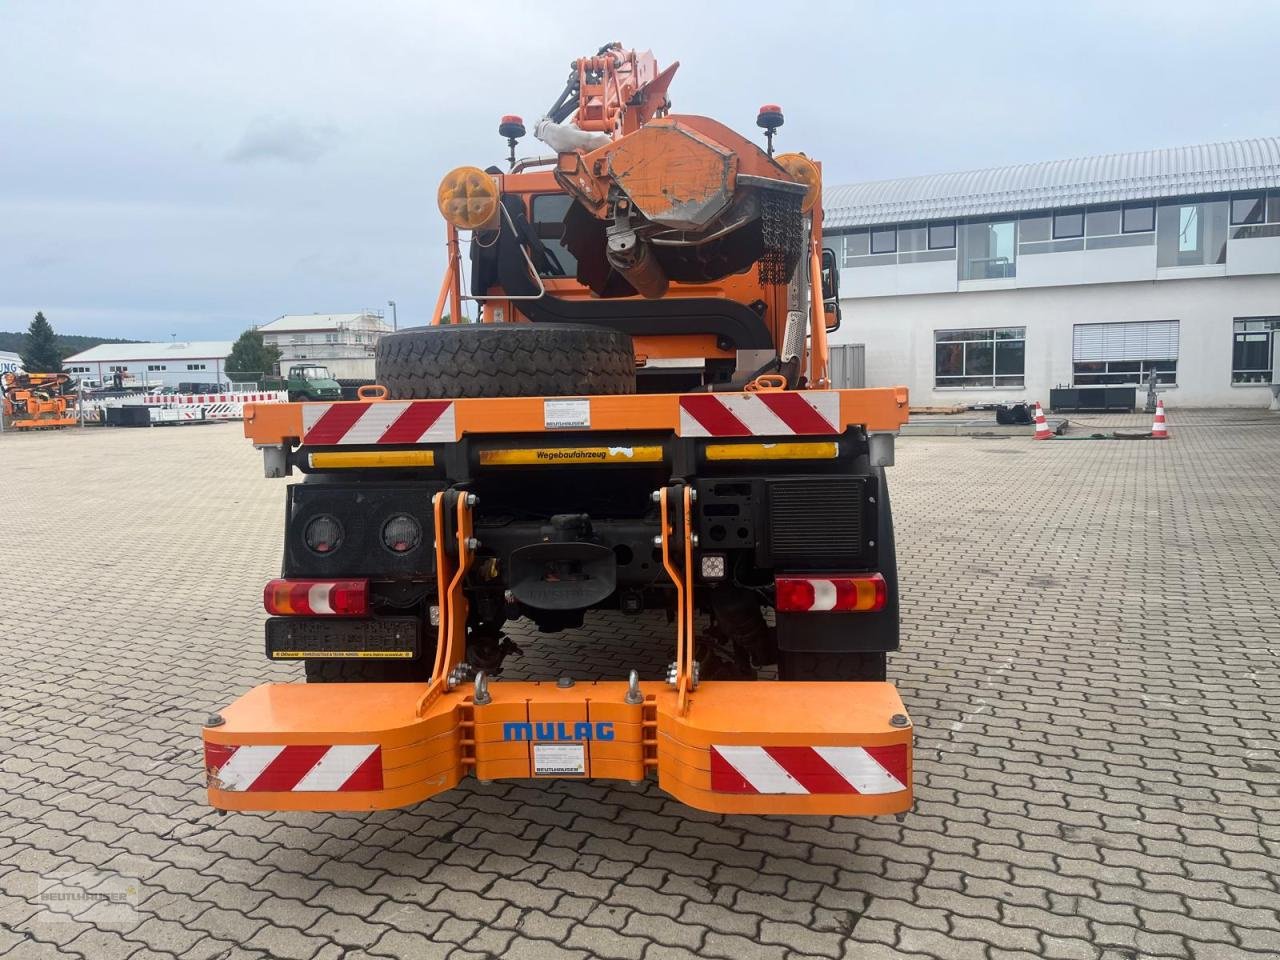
[395, 325]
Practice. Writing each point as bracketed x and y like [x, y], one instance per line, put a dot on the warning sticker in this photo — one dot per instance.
[559, 760]
[566, 414]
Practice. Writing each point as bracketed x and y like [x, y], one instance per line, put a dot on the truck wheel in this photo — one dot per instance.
[366, 671]
[505, 360]
[797, 665]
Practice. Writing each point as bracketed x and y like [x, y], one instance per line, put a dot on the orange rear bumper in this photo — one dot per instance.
[739, 747]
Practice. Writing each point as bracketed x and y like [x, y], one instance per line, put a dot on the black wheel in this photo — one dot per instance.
[797, 665]
[505, 360]
[366, 671]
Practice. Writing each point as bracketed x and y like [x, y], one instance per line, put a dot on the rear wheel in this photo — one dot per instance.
[797, 665]
[505, 360]
[366, 671]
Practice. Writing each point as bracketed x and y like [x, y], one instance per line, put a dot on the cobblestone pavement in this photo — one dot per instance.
[1089, 656]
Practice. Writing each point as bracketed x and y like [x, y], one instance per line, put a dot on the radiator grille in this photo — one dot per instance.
[817, 521]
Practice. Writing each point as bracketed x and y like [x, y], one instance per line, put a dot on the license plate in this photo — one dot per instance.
[303, 638]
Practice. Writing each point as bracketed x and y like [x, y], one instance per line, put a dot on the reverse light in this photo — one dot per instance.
[713, 566]
[844, 593]
[319, 598]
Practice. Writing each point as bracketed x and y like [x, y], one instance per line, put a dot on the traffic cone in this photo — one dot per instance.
[1042, 425]
[1159, 429]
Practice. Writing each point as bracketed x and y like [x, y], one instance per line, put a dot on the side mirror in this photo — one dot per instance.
[830, 290]
[830, 275]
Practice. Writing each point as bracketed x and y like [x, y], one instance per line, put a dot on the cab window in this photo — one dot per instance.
[549, 210]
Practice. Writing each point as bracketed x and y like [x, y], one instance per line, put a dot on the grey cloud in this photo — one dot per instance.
[285, 140]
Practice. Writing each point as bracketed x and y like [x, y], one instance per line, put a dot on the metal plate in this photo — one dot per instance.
[300, 638]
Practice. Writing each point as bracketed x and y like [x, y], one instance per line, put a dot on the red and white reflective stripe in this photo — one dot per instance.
[781, 413]
[395, 421]
[775, 770]
[305, 768]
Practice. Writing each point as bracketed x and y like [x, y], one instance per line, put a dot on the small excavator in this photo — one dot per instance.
[38, 401]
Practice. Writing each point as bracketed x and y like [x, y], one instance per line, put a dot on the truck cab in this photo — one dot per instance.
[311, 381]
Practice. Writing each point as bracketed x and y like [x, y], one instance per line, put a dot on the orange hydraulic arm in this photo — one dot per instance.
[615, 92]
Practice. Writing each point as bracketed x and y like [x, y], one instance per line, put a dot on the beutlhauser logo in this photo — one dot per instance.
[557, 732]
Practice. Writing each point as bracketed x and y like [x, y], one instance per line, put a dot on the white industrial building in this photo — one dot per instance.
[343, 342]
[996, 285]
[9, 362]
[198, 362]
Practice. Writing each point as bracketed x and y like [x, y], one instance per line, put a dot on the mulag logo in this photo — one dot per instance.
[558, 731]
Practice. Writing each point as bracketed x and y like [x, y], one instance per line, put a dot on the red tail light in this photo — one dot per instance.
[317, 598]
[843, 592]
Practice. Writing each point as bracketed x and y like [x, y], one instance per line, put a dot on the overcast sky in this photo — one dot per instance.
[197, 168]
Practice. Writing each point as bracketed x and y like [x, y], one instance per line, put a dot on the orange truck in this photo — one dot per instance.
[640, 419]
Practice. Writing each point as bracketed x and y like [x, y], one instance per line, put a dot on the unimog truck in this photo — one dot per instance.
[640, 420]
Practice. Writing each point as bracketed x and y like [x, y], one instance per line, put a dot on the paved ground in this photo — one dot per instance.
[1090, 659]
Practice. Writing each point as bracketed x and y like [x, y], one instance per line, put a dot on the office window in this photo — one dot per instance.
[1107, 354]
[330, 338]
[987, 250]
[153, 367]
[1068, 224]
[549, 211]
[985, 357]
[1248, 208]
[1102, 222]
[1035, 228]
[884, 240]
[1139, 217]
[856, 244]
[1190, 232]
[912, 238]
[942, 236]
[1251, 349]
[195, 366]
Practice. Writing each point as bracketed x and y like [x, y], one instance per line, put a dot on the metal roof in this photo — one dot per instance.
[134, 352]
[293, 322]
[1177, 171]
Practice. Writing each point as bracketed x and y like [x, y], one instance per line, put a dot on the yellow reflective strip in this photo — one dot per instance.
[554, 455]
[342, 655]
[815, 450]
[374, 458]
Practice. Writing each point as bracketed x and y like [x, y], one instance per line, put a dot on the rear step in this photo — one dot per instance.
[739, 747]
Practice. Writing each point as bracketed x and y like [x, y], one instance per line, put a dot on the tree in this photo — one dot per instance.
[250, 354]
[41, 354]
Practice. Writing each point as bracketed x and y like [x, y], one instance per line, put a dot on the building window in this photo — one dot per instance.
[153, 367]
[1106, 354]
[1102, 222]
[912, 238]
[884, 240]
[195, 366]
[1247, 209]
[987, 250]
[1273, 206]
[1034, 228]
[942, 236]
[330, 338]
[856, 244]
[298, 338]
[1189, 233]
[549, 211]
[359, 338]
[1139, 217]
[1251, 349]
[989, 357]
[1068, 224]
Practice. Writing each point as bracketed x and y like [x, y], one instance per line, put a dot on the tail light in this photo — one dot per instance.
[320, 598]
[846, 593]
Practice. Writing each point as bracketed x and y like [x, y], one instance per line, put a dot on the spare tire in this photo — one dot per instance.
[505, 360]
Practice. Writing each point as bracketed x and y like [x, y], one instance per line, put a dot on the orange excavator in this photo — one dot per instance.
[38, 401]
[641, 421]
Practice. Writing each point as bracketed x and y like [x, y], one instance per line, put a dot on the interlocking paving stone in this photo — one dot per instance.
[1089, 655]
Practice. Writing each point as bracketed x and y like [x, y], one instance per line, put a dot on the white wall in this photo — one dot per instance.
[898, 333]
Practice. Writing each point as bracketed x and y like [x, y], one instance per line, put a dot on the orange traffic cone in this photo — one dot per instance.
[1159, 429]
[1042, 425]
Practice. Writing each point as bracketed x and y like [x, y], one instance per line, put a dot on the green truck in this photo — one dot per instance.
[306, 381]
